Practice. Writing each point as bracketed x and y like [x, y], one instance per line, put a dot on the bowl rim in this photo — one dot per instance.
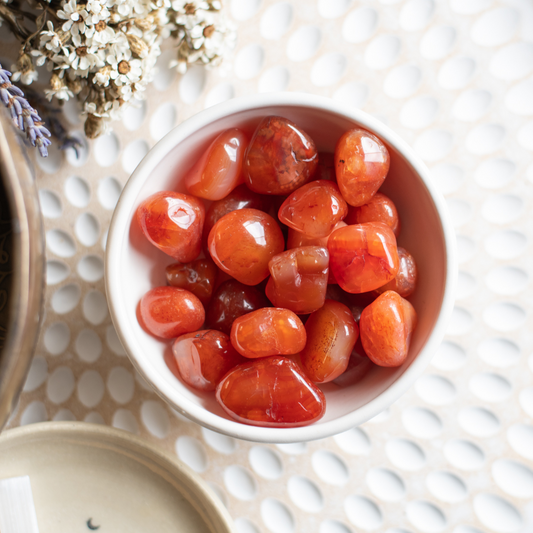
[121, 221]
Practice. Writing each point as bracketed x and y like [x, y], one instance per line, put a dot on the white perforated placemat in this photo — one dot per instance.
[454, 78]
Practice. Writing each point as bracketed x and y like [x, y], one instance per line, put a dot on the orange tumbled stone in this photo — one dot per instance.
[296, 239]
[173, 222]
[271, 392]
[169, 312]
[386, 327]
[242, 243]
[404, 283]
[379, 208]
[331, 336]
[314, 209]
[361, 165]
[204, 357]
[280, 157]
[268, 331]
[240, 198]
[363, 257]
[358, 367]
[219, 169]
[299, 279]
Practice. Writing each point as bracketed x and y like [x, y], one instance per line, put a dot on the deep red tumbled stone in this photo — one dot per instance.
[280, 157]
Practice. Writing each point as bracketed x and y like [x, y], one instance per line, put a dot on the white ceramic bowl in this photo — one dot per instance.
[133, 265]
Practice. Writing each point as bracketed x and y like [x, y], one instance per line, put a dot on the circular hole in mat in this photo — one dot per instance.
[37, 374]
[265, 462]
[56, 272]
[496, 513]
[305, 494]
[362, 512]
[192, 452]
[385, 484]
[91, 268]
[276, 20]
[276, 516]
[155, 419]
[330, 468]
[56, 338]
[446, 487]
[249, 62]
[77, 191]
[240, 483]
[464, 454]
[303, 43]
[425, 516]
[220, 443]
[88, 345]
[405, 454]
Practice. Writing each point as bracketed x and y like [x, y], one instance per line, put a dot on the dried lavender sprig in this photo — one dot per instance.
[24, 116]
[52, 116]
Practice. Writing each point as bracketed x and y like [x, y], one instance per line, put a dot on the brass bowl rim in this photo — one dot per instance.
[27, 281]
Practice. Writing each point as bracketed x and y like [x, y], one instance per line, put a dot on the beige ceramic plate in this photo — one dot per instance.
[84, 475]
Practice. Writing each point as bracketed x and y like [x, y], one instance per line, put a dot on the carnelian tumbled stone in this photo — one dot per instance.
[240, 198]
[169, 312]
[219, 170]
[299, 279]
[314, 209]
[270, 392]
[204, 357]
[379, 208]
[361, 165]
[268, 331]
[198, 276]
[358, 367]
[295, 239]
[325, 169]
[280, 157]
[363, 257]
[331, 336]
[230, 301]
[386, 327]
[406, 278]
[242, 243]
[173, 222]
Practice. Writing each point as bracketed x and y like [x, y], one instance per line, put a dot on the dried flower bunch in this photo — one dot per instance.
[23, 115]
[104, 51]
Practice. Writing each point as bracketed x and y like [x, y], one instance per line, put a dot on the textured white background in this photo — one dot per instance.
[454, 78]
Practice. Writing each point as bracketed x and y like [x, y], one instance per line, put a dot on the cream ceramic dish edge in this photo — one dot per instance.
[190, 485]
[119, 248]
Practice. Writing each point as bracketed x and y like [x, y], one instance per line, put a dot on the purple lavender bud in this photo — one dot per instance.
[24, 116]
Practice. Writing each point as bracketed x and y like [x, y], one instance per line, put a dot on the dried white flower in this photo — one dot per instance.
[104, 51]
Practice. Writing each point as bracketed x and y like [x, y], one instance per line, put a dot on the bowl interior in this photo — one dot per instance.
[139, 266]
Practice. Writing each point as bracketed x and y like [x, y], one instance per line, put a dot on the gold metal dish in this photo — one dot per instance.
[21, 267]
